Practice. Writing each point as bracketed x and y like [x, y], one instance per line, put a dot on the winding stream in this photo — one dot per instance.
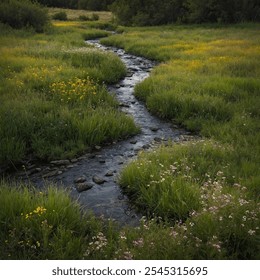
[105, 198]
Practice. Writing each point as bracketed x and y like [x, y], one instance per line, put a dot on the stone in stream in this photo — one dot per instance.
[158, 139]
[146, 146]
[81, 187]
[80, 179]
[52, 173]
[98, 180]
[133, 142]
[154, 129]
[124, 105]
[60, 162]
[109, 173]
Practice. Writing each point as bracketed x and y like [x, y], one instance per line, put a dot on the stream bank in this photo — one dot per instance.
[92, 178]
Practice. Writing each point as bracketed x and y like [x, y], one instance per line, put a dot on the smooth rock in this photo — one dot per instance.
[154, 129]
[110, 173]
[80, 179]
[98, 180]
[81, 187]
[74, 160]
[133, 142]
[98, 147]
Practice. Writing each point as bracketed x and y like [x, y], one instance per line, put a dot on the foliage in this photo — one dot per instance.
[42, 225]
[83, 18]
[93, 5]
[20, 14]
[191, 185]
[152, 12]
[54, 103]
[47, 224]
[60, 16]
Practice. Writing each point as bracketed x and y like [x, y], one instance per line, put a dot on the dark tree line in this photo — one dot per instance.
[94, 5]
[154, 12]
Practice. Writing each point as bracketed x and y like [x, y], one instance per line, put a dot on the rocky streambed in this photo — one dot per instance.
[92, 178]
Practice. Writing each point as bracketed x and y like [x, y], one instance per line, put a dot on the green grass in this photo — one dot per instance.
[43, 225]
[208, 82]
[202, 197]
[53, 102]
[47, 224]
[193, 188]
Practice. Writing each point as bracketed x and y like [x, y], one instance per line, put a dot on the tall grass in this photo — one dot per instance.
[53, 101]
[43, 225]
[47, 224]
[208, 82]
[206, 192]
[192, 186]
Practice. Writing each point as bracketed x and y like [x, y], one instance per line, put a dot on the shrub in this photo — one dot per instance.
[83, 18]
[20, 14]
[60, 16]
[94, 17]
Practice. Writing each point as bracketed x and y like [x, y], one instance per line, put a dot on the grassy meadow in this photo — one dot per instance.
[53, 101]
[200, 199]
[208, 82]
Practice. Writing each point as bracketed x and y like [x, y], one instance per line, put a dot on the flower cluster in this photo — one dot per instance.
[73, 90]
[98, 243]
[39, 211]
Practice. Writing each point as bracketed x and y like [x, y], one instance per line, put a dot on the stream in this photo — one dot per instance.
[92, 178]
